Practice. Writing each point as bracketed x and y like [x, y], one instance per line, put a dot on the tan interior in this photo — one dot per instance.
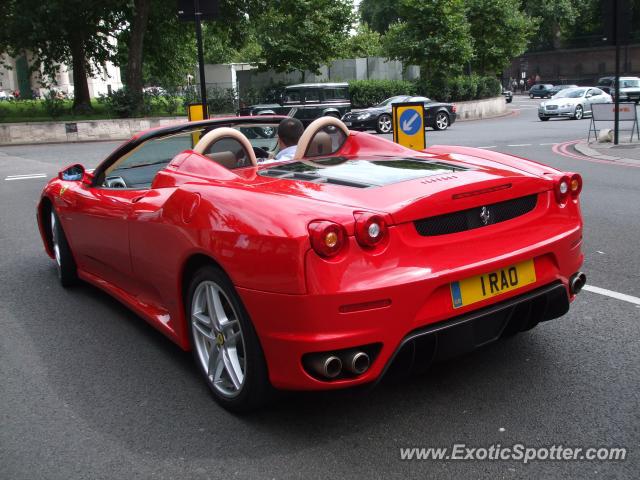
[305, 142]
[320, 145]
[225, 132]
[226, 159]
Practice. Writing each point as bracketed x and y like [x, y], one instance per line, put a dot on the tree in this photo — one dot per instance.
[554, 17]
[434, 35]
[364, 43]
[503, 38]
[379, 14]
[302, 34]
[73, 32]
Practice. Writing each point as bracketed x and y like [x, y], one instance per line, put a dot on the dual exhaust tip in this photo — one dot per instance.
[329, 366]
[576, 282]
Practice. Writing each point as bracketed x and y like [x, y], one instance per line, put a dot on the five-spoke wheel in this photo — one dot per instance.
[383, 125]
[225, 345]
[442, 121]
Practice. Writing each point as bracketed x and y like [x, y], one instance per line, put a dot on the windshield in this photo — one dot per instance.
[629, 83]
[389, 101]
[570, 93]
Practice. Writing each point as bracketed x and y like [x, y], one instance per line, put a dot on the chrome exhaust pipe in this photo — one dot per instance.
[356, 362]
[576, 283]
[328, 366]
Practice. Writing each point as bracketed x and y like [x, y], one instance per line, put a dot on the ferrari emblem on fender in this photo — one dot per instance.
[485, 215]
[62, 190]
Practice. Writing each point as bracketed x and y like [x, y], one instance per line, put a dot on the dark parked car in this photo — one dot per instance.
[559, 88]
[629, 88]
[307, 101]
[542, 90]
[438, 116]
[507, 94]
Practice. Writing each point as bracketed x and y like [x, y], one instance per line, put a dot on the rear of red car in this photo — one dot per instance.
[442, 260]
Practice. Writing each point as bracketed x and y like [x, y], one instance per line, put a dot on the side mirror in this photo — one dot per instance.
[87, 179]
[72, 173]
[588, 95]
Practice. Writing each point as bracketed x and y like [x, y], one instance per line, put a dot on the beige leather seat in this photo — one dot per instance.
[226, 159]
[320, 145]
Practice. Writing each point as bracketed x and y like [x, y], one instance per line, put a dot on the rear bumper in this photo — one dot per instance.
[392, 317]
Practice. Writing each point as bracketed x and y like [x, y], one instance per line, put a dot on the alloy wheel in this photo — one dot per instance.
[442, 121]
[384, 124]
[218, 339]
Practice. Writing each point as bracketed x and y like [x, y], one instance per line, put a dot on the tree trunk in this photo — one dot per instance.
[136, 42]
[81, 98]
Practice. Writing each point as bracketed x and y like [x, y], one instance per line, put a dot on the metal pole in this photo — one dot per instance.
[616, 39]
[203, 83]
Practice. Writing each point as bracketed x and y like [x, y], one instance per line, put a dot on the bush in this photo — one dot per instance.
[459, 88]
[366, 93]
[221, 100]
[121, 104]
[54, 106]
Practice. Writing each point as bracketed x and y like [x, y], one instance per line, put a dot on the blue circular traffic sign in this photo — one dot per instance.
[410, 121]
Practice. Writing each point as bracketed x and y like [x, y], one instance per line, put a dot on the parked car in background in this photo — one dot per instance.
[5, 95]
[438, 116]
[542, 90]
[306, 102]
[629, 88]
[558, 88]
[572, 103]
[507, 94]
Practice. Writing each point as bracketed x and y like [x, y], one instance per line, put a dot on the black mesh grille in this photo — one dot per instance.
[475, 217]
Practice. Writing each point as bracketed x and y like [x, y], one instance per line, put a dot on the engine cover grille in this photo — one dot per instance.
[475, 217]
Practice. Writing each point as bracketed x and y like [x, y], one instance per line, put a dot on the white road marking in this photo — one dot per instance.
[549, 143]
[25, 177]
[488, 146]
[610, 293]
[520, 145]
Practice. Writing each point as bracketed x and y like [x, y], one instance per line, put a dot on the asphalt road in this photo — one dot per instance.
[88, 390]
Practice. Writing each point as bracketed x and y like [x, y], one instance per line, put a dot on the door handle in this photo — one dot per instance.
[137, 199]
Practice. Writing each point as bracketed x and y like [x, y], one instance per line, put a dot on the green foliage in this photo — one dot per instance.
[434, 35]
[459, 88]
[365, 43]
[302, 34]
[122, 104]
[379, 14]
[366, 93]
[221, 100]
[53, 105]
[505, 37]
[72, 32]
[554, 17]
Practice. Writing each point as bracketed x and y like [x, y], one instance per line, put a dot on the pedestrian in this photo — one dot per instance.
[521, 85]
[514, 86]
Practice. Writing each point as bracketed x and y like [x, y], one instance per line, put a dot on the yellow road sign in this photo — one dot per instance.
[195, 112]
[408, 125]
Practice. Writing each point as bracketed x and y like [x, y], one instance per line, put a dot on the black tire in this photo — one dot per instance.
[531, 95]
[509, 100]
[544, 119]
[384, 124]
[332, 114]
[256, 389]
[441, 121]
[65, 263]
[579, 113]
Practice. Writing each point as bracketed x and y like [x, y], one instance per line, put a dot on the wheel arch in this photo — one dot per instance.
[44, 224]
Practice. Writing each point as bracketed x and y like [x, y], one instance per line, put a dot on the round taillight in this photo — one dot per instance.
[575, 186]
[327, 238]
[371, 229]
[562, 187]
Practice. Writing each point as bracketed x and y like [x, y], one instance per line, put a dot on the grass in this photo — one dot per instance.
[33, 111]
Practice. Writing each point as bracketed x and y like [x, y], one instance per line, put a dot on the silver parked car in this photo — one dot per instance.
[572, 103]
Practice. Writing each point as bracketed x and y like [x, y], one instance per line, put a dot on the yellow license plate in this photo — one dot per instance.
[478, 288]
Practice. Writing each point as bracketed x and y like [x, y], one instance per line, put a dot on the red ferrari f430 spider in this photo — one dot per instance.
[322, 271]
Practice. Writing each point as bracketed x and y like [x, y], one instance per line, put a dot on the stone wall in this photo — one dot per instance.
[57, 132]
[479, 109]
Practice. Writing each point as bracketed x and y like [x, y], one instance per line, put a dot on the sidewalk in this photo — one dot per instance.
[625, 151]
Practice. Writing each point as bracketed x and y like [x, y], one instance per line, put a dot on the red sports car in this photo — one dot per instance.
[322, 271]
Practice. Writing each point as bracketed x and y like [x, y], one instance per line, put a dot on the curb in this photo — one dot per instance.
[585, 149]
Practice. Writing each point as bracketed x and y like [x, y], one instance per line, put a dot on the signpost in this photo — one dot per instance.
[198, 10]
[408, 125]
